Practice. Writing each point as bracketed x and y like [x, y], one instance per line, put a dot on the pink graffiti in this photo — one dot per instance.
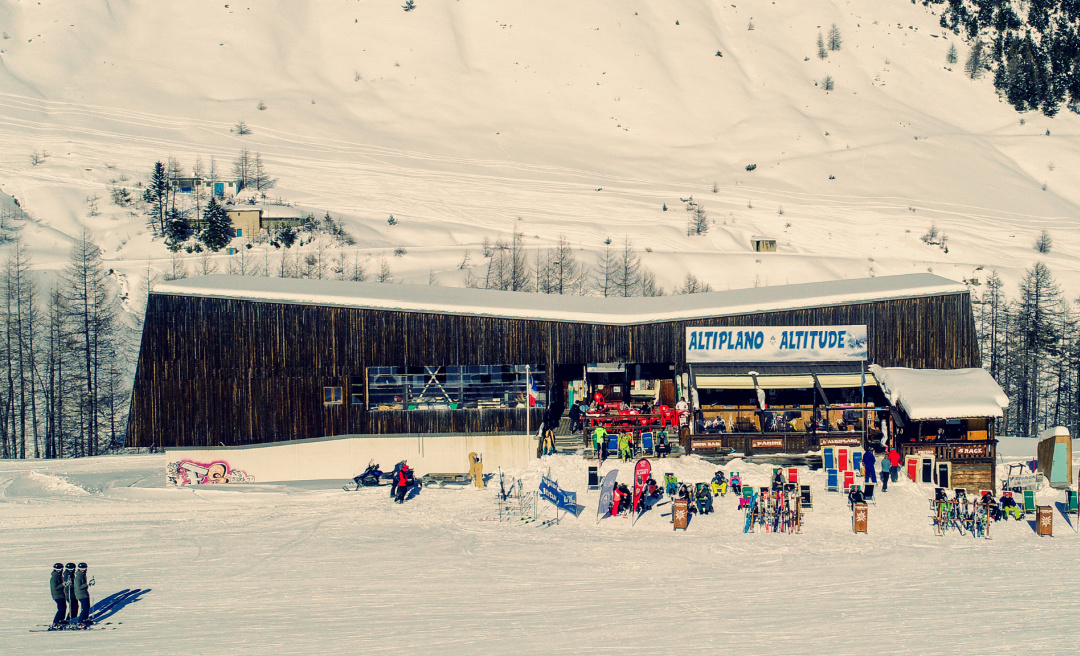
[189, 472]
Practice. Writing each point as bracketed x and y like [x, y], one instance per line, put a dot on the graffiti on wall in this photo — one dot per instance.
[189, 472]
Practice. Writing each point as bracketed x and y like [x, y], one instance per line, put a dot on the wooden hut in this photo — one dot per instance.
[229, 360]
[945, 419]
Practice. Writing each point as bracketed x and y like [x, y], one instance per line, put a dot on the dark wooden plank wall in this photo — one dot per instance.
[223, 371]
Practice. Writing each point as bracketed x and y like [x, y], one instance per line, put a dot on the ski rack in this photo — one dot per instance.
[513, 501]
[775, 512]
[970, 516]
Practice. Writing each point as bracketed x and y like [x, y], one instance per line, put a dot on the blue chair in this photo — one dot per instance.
[647, 443]
[833, 483]
[856, 461]
[613, 444]
[828, 458]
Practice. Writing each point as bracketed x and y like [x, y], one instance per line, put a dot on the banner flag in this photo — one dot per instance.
[607, 493]
[641, 474]
[550, 492]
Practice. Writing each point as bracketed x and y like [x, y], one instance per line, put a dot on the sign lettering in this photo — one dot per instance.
[766, 443]
[776, 344]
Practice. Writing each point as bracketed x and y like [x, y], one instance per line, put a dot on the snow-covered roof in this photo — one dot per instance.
[269, 211]
[551, 307]
[926, 394]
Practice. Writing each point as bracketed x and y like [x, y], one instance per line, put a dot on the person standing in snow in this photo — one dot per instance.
[402, 483]
[575, 418]
[869, 469]
[69, 591]
[59, 594]
[599, 438]
[894, 460]
[886, 469]
[81, 590]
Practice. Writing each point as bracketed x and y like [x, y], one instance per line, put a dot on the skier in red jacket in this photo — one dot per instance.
[402, 483]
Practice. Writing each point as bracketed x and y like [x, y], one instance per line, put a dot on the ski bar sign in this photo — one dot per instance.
[775, 343]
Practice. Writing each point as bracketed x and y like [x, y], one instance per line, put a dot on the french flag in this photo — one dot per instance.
[534, 393]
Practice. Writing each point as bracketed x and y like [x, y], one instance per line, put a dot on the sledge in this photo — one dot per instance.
[443, 479]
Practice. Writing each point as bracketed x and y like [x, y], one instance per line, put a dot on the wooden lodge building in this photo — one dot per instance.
[237, 361]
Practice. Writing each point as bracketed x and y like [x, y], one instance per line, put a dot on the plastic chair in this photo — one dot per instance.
[1029, 502]
[828, 457]
[671, 484]
[849, 480]
[868, 493]
[832, 483]
[647, 443]
[843, 459]
[747, 495]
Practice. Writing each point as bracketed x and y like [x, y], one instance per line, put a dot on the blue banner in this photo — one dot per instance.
[607, 494]
[562, 499]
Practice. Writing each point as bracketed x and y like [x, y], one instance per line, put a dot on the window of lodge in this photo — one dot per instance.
[453, 387]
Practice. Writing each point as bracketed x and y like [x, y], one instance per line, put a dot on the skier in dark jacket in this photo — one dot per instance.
[59, 594]
[868, 462]
[402, 483]
[575, 418]
[81, 590]
[69, 589]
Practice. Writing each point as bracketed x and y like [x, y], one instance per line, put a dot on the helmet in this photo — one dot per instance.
[82, 566]
[70, 566]
[58, 566]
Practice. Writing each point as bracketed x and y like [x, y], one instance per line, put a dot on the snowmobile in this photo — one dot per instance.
[370, 478]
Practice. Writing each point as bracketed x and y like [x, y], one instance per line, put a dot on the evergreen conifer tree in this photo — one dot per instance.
[216, 227]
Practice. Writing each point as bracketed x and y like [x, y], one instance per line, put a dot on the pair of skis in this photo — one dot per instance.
[105, 626]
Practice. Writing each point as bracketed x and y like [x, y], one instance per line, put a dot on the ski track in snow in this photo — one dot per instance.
[294, 568]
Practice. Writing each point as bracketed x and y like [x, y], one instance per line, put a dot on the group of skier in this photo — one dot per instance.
[71, 591]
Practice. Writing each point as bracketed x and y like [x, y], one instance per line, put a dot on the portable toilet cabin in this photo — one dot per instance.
[1055, 456]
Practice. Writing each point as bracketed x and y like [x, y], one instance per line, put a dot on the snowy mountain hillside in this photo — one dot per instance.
[297, 568]
[472, 120]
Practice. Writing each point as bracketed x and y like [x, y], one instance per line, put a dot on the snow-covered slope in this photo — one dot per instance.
[472, 119]
[302, 568]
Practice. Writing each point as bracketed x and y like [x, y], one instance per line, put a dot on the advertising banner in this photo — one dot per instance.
[641, 474]
[776, 344]
[607, 490]
[549, 490]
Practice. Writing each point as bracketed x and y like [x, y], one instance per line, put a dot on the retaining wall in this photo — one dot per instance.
[343, 457]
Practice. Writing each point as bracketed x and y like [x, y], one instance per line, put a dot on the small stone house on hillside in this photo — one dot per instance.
[248, 220]
[219, 188]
